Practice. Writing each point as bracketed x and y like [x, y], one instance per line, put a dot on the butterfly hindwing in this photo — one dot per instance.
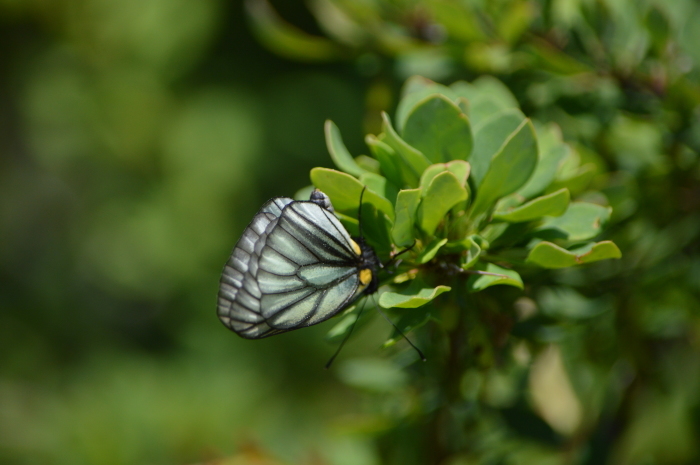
[239, 293]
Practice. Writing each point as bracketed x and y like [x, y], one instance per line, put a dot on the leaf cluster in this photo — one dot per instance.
[470, 186]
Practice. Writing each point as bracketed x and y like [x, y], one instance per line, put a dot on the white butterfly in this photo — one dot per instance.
[294, 266]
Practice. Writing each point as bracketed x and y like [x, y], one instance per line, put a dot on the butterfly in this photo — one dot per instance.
[294, 266]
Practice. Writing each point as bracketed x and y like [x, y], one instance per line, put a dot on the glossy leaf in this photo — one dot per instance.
[554, 204]
[430, 173]
[489, 138]
[376, 228]
[344, 191]
[411, 297]
[416, 89]
[549, 255]
[430, 250]
[387, 158]
[443, 193]
[407, 202]
[486, 96]
[581, 221]
[439, 129]
[368, 164]
[578, 181]
[510, 168]
[339, 153]
[459, 168]
[507, 277]
[471, 255]
[376, 183]
[545, 172]
[411, 157]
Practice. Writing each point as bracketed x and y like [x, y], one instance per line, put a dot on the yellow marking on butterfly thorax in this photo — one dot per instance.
[365, 276]
[356, 247]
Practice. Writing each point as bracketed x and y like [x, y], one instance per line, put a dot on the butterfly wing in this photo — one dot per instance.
[300, 270]
[238, 302]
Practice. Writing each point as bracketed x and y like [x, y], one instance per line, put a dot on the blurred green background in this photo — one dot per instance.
[137, 139]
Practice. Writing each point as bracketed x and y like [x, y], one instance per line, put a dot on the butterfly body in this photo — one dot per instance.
[294, 266]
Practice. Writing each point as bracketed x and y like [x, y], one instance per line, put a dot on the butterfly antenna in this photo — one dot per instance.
[422, 357]
[393, 259]
[347, 336]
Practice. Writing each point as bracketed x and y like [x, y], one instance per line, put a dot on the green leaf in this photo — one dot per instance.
[489, 138]
[548, 255]
[368, 164]
[471, 255]
[351, 224]
[495, 90]
[460, 169]
[554, 204]
[552, 152]
[510, 168]
[487, 96]
[285, 39]
[443, 193]
[480, 241]
[411, 157]
[406, 207]
[580, 222]
[344, 191]
[409, 320]
[430, 250]
[576, 182]
[463, 105]
[411, 297]
[507, 277]
[416, 89]
[377, 184]
[430, 173]
[468, 248]
[339, 153]
[439, 129]
[388, 160]
[458, 246]
[376, 228]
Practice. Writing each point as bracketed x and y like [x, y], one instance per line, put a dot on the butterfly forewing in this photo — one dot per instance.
[294, 266]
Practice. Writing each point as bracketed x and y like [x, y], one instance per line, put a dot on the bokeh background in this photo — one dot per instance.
[137, 139]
